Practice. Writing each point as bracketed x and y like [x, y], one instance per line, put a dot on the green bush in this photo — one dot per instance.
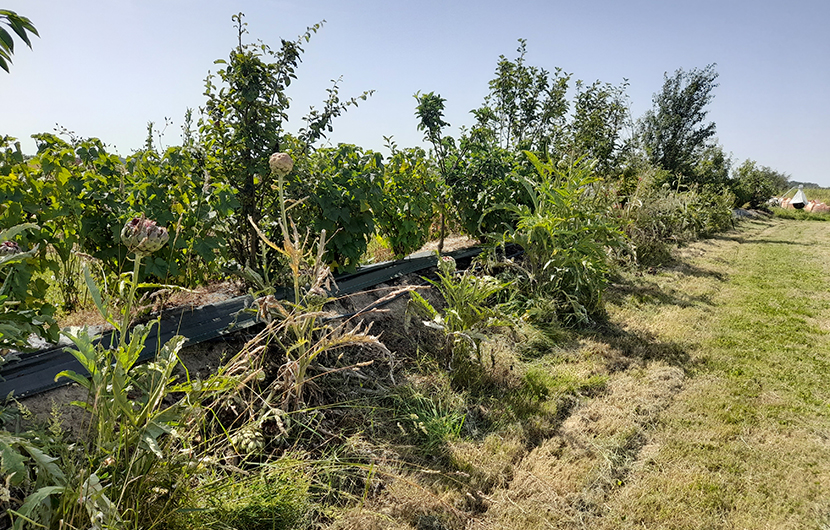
[487, 175]
[469, 309]
[655, 219]
[340, 189]
[407, 206]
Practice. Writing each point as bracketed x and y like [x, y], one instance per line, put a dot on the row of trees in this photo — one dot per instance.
[221, 190]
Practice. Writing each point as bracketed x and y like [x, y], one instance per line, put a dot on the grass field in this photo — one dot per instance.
[814, 194]
[716, 412]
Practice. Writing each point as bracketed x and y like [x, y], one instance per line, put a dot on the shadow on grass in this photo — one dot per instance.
[740, 238]
[782, 242]
[699, 272]
[624, 293]
[625, 347]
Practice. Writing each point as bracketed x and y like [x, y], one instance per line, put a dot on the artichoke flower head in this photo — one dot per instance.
[281, 164]
[143, 236]
[446, 264]
[9, 248]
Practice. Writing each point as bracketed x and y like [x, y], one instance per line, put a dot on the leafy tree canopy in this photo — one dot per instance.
[754, 184]
[674, 133]
[527, 106]
[21, 26]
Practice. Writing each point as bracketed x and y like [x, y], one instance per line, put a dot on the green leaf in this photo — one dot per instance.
[31, 505]
[86, 353]
[150, 443]
[45, 462]
[423, 305]
[95, 293]
[20, 29]
[12, 232]
[6, 40]
[12, 464]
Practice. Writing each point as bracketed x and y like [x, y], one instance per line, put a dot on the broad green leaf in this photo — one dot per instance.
[45, 462]
[86, 353]
[31, 505]
[150, 444]
[12, 464]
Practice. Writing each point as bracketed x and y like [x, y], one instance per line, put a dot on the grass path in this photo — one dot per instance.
[717, 411]
[746, 443]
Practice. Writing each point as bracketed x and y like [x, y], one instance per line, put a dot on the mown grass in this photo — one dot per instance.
[713, 412]
[745, 444]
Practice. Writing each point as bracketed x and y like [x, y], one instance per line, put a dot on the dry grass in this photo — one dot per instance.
[715, 410]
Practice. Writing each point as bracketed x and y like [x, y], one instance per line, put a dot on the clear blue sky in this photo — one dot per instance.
[105, 68]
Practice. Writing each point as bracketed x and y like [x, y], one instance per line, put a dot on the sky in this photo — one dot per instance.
[105, 68]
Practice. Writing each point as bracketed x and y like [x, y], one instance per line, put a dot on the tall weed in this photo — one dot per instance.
[657, 218]
[565, 232]
[469, 309]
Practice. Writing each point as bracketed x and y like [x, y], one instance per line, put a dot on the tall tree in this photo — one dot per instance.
[526, 107]
[243, 123]
[22, 26]
[674, 133]
[600, 113]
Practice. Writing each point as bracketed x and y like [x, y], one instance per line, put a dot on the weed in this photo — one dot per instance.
[564, 233]
[468, 313]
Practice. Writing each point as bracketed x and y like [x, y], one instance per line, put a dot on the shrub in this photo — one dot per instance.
[407, 206]
[654, 219]
[338, 190]
[243, 123]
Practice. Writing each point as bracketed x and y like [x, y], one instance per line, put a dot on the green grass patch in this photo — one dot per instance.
[744, 445]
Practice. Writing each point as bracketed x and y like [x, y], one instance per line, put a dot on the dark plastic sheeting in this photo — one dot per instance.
[35, 372]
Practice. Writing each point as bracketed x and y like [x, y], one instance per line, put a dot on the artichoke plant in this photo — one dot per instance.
[143, 236]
